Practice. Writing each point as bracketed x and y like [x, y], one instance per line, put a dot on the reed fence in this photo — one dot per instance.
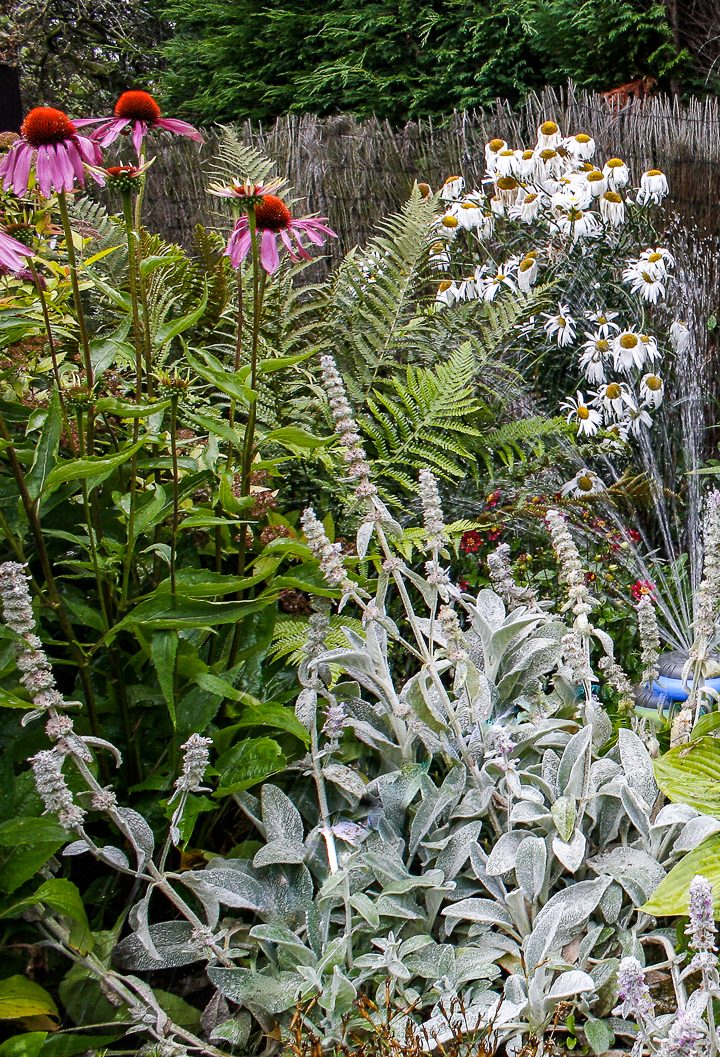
[356, 172]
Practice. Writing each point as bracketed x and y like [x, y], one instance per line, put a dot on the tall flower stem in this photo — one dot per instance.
[147, 340]
[51, 344]
[79, 310]
[176, 496]
[259, 280]
[51, 589]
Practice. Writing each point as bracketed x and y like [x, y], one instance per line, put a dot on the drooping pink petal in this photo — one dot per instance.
[89, 150]
[239, 243]
[21, 173]
[80, 122]
[64, 169]
[139, 133]
[295, 247]
[269, 256]
[181, 128]
[12, 253]
[109, 132]
[75, 161]
[43, 171]
[7, 166]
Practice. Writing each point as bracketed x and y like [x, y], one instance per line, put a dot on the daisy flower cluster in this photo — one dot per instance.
[577, 213]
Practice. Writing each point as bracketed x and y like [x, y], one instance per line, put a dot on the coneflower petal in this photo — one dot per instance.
[269, 256]
[181, 128]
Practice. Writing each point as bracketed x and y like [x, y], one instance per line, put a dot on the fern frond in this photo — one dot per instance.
[521, 439]
[290, 636]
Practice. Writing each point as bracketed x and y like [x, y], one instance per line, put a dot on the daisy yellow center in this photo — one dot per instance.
[548, 153]
[584, 483]
[647, 277]
[444, 285]
[615, 163]
[530, 198]
[594, 176]
[44, 125]
[137, 106]
[496, 144]
[602, 345]
[602, 320]
[613, 391]
[449, 221]
[452, 179]
[507, 183]
[583, 412]
[612, 196]
[532, 253]
[548, 128]
[527, 155]
[561, 321]
[437, 247]
[654, 257]
[628, 341]
[654, 172]
[582, 137]
[272, 214]
[653, 382]
[506, 153]
[526, 264]
[645, 339]
[468, 205]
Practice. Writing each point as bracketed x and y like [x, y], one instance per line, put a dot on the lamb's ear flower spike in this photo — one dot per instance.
[138, 113]
[50, 142]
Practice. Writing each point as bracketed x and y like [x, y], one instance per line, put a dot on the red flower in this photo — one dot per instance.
[463, 585]
[471, 542]
[640, 588]
[494, 534]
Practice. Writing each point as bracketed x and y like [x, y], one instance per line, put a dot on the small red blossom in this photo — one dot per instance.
[463, 585]
[494, 498]
[641, 588]
[634, 536]
[494, 534]
[471, 542]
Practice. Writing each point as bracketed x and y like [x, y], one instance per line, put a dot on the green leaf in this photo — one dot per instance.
[671, 895]
[46, 449]
[26, 844]
[168, 331]
[270, 714]
[161, 612]
[163, 652]
[599, 1036]
[219, 427]
[296, 437]
[279, 363]
[179, 1011]
[20, 997]
[64, 898]
[93, 468]
[247, 764]
[109, 405]
[690, 774]
[27, 1045]
[227, 382]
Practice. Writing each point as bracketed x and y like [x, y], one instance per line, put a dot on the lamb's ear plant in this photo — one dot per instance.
[466, 826]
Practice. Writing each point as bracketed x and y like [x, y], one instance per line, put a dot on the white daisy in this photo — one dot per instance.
[588, 419]
[491, 284]
[452, 189]
[617, 173]
[613, 398]
[652, 390]
[603, 321]
[505, 162]
[650, 345]
[467, 288]
[577, 223]
[527, 274]
[628, 352]
[560, 326]
[653, 187]
[596, 181]
[526, 164]
[527, 208]
[551, 163]
[572, 196]
[439, 257]
[491, 151]
[648, 286]
[581, 146]
[469, 214]
[508, 190]
[548, 135]
[652, 255]
[612, 209]
[635, 420]
[592, 361]
[585, 482]
[447, 293]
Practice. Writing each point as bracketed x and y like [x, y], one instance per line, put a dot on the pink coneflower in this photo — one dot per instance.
[274, 221]
[50, 141]
[13, 253]
[137, 111]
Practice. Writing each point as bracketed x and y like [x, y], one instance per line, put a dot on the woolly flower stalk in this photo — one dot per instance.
[619, 682]
[195, 762]
[454, 641]
[570, 569]
[346, 428]
[633, 992]
[432, 510]
[327, 553]
[701, 926]
[576, 658]
[35, 670]
[709, 590]
[649, 639]
[686, 1031]
[502, 579]
[53, 789]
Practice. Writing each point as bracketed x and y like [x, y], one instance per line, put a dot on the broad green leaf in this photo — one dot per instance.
[8, 700]
[46, 449]
[168, 331]
[64, 898]
[20, 997]
[163, 653]
[92, 468]
[226, 381]
[279, 363]
[599, 1036]
[296, 437]
[247, 764]
[219, 427]
[27, 1045]
[109, 405]
[270, 714]
[161, 612]
[671, 895]
[26, 844]
[690, 774]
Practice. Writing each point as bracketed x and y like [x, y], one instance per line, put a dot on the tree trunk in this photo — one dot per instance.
[11, 113]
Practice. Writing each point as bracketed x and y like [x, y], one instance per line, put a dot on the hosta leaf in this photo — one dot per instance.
[690, 774]
[671, 895]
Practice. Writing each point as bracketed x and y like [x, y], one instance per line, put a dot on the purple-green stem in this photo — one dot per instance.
[79, 310]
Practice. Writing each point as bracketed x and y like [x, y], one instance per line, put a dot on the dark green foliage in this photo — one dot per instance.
[398, 59]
